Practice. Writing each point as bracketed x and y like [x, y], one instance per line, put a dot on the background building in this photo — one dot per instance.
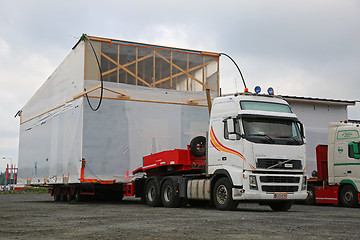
[315, 114]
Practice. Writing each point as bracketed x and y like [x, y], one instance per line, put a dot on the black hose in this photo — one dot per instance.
[236, 66]
[101, 79]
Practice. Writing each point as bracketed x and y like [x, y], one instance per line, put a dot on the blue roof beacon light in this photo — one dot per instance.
[270, 91]
[257, 89]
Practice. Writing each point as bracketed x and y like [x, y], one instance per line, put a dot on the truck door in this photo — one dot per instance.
[233, 141]
[353, 162]
[225, 148]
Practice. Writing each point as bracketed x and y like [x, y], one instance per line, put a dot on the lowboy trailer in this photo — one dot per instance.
[254, 151]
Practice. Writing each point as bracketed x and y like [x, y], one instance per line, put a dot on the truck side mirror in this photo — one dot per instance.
[302, 130]
[233, 136]
[230, 125]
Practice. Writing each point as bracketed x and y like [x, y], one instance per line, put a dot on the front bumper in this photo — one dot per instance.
[271, 186]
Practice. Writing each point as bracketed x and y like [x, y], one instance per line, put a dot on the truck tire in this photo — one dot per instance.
[168, 195]
[77, 195]
[152, 196]
[280, 206]
[69, 196]
[222, 195]
[310, 200]
[62, 195]
[56, 195]
[198, 146]
[348, 196]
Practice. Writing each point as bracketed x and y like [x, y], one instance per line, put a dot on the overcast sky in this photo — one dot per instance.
[303, 48]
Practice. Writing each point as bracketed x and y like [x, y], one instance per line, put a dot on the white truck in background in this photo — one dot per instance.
[337, 179]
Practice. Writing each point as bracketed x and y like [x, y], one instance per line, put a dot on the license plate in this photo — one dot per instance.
[280, 195]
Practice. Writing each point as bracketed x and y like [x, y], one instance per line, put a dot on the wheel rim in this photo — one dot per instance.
[167, 193]
[348, 196]
[151, 193]
[201, 147]
[77, 196]
[221, 194]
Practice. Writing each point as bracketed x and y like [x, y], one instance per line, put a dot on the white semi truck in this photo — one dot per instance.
[258, 144]
[255, 151]
[337, 179]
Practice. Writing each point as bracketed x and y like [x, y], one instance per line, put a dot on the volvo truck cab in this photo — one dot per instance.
[258, 143]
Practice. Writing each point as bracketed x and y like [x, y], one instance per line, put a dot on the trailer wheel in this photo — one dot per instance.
[198, 146]
[152, 196]
[77, 196]
[56, 195]
[281, 206]
[62, 194]
[69, 196]
[168, 195]
[222, 195]
[348, 196]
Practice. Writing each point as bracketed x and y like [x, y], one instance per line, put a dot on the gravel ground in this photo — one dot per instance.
[37, 216]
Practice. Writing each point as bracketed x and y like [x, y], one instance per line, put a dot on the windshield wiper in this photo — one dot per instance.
[262, 135]
[292, 138]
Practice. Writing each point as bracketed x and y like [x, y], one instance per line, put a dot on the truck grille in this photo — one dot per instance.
[271, 163]
[286, 189]
[279, 179]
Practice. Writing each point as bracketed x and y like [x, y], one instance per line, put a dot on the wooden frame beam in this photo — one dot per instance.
[186, 73]
[123, 67]
[154, 83]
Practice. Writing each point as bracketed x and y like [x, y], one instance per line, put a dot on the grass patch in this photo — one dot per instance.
[28, 190]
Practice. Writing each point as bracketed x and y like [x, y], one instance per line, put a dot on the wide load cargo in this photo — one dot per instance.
[152, 99]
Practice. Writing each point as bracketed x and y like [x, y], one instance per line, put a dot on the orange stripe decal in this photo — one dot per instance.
[218, 146]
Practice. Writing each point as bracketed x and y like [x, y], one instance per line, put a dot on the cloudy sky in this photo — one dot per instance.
[300, 47]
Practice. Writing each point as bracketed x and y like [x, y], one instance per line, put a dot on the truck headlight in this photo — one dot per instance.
[253, 182]
[303, 185]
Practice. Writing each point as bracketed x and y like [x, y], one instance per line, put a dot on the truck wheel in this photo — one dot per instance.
[152, 196]
[168, 197]
[310, 200]
[348, 196]
[281, 206]
[56, 195]
[198, 146]
[62, 194]
[69, 197]
[222, 195]
[77, 196]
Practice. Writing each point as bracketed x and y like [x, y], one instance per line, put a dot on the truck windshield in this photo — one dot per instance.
[272, 131]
